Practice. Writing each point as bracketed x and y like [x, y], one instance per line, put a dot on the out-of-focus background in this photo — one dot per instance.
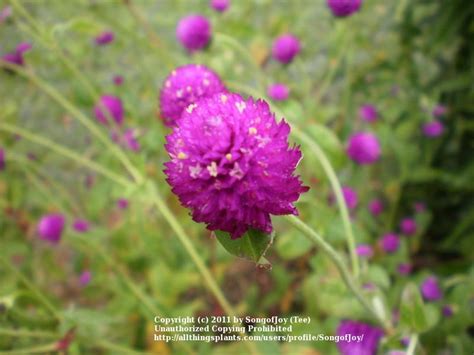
[98, 289]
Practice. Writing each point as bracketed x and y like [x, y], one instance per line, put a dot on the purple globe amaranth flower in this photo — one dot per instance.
[430, 289]
[285, 48]
[408, 226]
[122, 203]
[220, 5]
[404, 269]
[194, 32]
[118, 80]
[365, 250]
[104, 38]
[433, 129]
[419, 207]
[80, 225]
[278, 92]
[350, 197]
[447, 311]
[50, 227]
[2, 159]
[368, 113]
[439, 110]
[363, 148]
[376, 207]
[184, 86]
[369, 343]
[109, 106]
[343, 8]
[231, 164]
[85, 278]
[130, 140]
[405, 341]
[389, 242]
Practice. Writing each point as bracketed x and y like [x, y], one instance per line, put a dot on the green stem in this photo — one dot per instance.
[412, 345]
[65, 152]
[27, 333]
[338, 261]
[75, 112]
[328, 170]
[48, 305]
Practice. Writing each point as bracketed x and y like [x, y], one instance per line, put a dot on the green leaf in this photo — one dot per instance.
[252, 245]
[329, 143]
[412, 310]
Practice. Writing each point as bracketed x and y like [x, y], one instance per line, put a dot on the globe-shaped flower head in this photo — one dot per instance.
[368, 113]
[369, 343]
[194, 32]
[363, 148]
[343, 8]
[389, 242]
[220, 5]
[231, 164]
[433, 129]
[184, 86]
[278, 92]
[408, 226]
[109, 107]
[430, 289]
[50, 227]
[285, 48]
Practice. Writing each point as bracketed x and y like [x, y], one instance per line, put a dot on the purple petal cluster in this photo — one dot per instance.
[376, 207]
[365, 250]
[80, 225]
[389, 242]
[368, 113]
[278, 92]
[404, 268]
[50, 227]
[220, 5]
[122, 203]
[109, 106]
[231, 165]
[16, 57]
[363, 148]
[408, 226]
[118, 80]
[430, 289]
[194, 32]
[350, 197]
[104, 38]
[433, 129]
[369, 343]
[2, 159]
[184, 86]
[285, 48]
[343, 8]
[85, 278]
[439, 110]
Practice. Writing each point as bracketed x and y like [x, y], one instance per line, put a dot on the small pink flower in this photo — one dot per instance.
[376, 207]
[85, 278]
[104, 38]
[408, 226]
[122, 203]
[389, 242]
[81, 225]
[365, 250]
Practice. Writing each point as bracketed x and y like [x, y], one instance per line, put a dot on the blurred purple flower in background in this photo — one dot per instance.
[85, 278]
[376, 207]
[50, 227]
[231, 164]
[419, 207]
[389, 242]
[368, 113]
[16, 57]
[447, 311]
[184, 86]
[118, 80]
[439, 110]
[130, 140]
[220, 5]
[2, 159]
[194, 32]
[278, 92]
[404, 269]
[114, 109]
[122, 203]
[408, 226]
[5, 13]
[104, 38]
[350, 196]
[363, 148]
[430, 289]
[433, 129]
[370, 340]
[285, 48]
[343, 8]
[365, 250]
[80, 225]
